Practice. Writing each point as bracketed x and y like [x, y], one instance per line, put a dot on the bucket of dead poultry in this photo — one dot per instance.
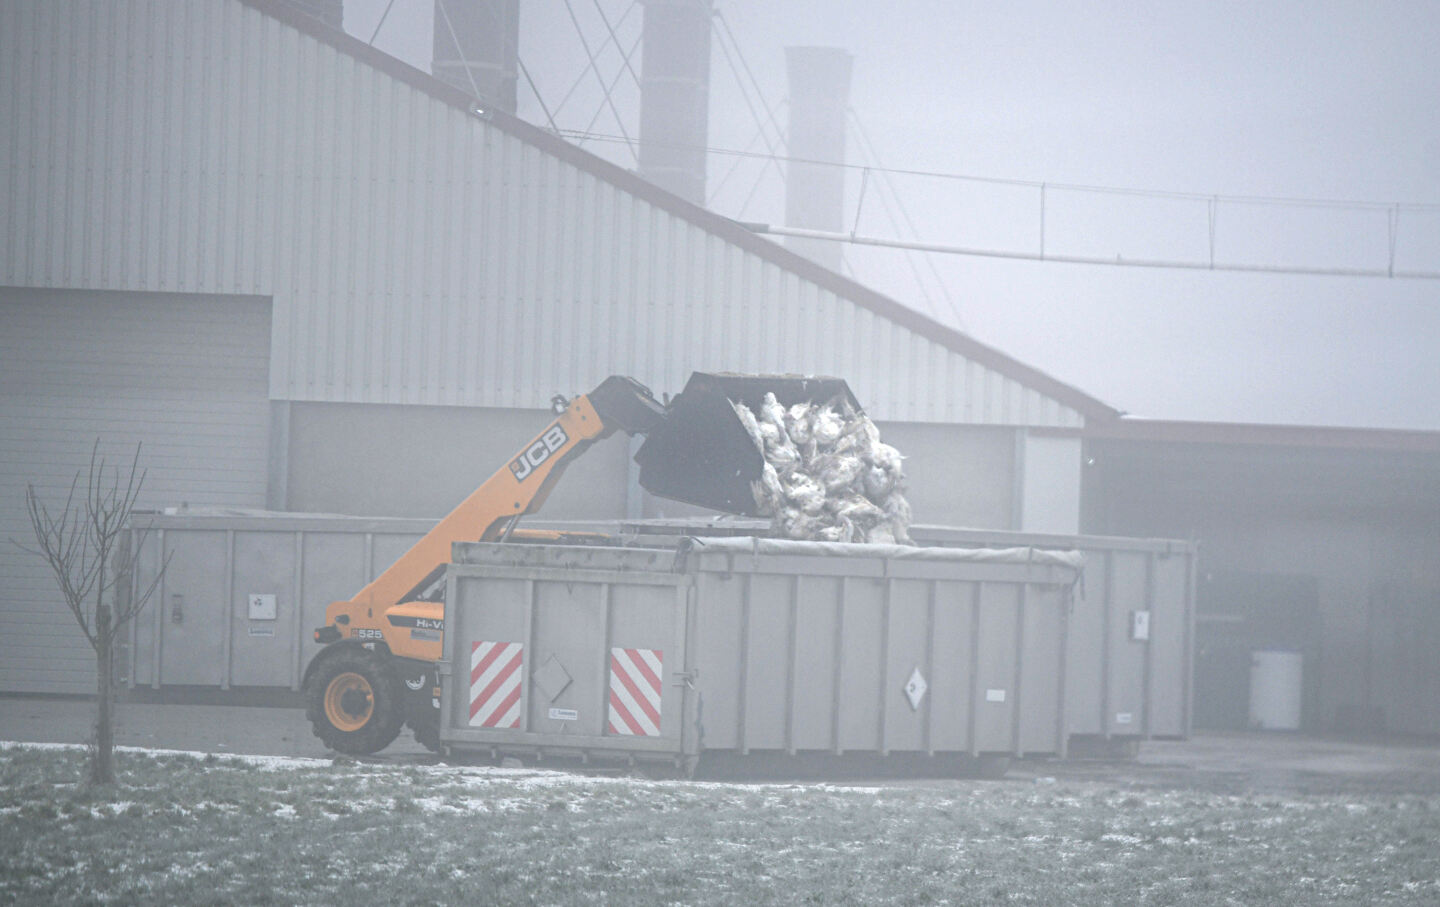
[797, 449]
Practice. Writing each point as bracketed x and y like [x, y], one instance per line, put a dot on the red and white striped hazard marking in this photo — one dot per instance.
[495, 672]
[635, 692]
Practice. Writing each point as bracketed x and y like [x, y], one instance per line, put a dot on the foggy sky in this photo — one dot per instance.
[1290, 99]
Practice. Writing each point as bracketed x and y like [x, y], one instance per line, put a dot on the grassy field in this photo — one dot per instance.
[186, 829]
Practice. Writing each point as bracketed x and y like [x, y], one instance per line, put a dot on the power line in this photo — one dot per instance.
[613, 37]
[745, 94]
[580, 32]
[1062, 187]
[603, 47]
[869, 148]
[613, 82]
[754, 82]
[1117, 261]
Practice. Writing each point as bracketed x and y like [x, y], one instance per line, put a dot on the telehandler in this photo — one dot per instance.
[377, 670]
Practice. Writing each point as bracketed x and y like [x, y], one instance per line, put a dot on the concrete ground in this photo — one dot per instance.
[255, 730]
[1239, 762]
[1214, 761]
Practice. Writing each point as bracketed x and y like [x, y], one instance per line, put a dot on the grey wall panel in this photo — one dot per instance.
[1050, 483]
[957, 475]
[185, 376]
[422, 461]
[415, 253]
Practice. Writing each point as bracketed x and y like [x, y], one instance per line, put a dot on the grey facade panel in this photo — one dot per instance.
[416, 253]
[184, 376]
[420, 461]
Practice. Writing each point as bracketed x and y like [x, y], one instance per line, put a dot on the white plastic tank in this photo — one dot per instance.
[1276, 689]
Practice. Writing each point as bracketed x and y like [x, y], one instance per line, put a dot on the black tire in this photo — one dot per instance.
[353, 701]
[427, 729]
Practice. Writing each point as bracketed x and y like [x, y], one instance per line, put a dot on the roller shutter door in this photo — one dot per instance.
[186, 376]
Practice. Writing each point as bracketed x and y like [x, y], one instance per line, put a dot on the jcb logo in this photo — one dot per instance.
[539, 452]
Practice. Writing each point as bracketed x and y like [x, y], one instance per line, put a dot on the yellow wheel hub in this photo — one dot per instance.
[349, 701]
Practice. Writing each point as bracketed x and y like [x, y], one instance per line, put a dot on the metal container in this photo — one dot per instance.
[244, 589]
[1130, 662]
[748, 645]
[1277, 689]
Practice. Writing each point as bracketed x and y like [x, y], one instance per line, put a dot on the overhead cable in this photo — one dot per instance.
[603, 47]
[595, 68]
[1054, 186]
[1117, 261]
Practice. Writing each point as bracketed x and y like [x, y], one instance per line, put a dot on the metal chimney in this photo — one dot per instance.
[331, 12]
[675, 95]
[814, 194]
[477, 48]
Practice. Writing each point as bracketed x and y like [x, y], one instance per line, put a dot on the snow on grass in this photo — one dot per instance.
[185, 827]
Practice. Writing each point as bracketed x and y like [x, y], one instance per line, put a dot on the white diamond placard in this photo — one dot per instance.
[915, 688]
[552, 678]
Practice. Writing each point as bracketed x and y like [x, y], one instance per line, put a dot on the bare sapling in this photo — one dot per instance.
[93, 559]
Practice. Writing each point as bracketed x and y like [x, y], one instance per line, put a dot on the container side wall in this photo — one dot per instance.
[907, 638]
[1126, 674]
[570, 644]
[262, 651]
[951, 691]
[645, 622]
[333, 569]
[863, 618]
[767, 658]
[479, 611]
[817, 615]
[719, 653]
[194, 612]
[995, 669]
[1168, 631]
[1087, 663]
[1042, 654]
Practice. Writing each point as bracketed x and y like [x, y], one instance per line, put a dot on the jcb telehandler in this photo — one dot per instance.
[377, 670]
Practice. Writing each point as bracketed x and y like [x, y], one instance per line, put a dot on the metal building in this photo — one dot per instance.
[1324, 542]
[310, 277]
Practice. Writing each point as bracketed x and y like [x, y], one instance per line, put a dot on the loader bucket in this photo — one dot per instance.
[701, 454]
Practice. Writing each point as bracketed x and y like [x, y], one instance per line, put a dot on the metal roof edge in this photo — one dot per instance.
[1187, 432]
[717, 224]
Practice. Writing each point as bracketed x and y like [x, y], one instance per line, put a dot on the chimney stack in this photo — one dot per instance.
[815, 194]
[675, 95]
[477, 48]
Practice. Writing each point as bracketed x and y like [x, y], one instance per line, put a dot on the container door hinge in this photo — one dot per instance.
[686, 678]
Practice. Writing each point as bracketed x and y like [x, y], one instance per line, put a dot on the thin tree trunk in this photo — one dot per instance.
[102, 768]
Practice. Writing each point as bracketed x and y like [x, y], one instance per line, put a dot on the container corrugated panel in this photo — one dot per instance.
[756, 646]
[1124, 681]
[415, 252]
[198, 629]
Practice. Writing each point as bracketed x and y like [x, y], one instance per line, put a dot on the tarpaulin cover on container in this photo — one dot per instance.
[1072, 560]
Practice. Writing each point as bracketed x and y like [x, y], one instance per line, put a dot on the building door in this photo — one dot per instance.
[184, 376]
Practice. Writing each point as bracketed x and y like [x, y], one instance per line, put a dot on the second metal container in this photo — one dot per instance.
[748, 645]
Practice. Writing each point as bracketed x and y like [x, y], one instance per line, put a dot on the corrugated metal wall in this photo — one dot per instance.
[184, 375]
[415, 253]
